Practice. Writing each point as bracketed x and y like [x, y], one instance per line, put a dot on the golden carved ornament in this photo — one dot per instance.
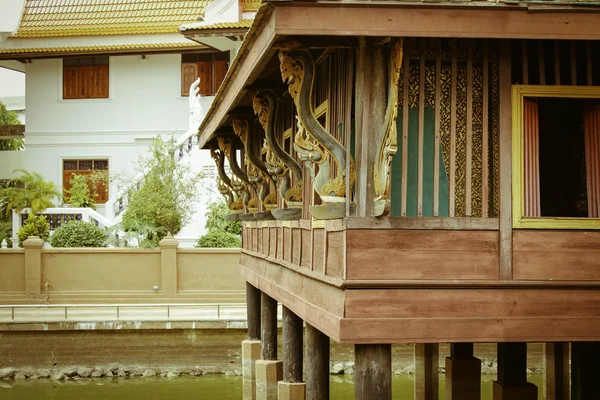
[291, 73]
[389, 141]
[294, 194]
[307, 147]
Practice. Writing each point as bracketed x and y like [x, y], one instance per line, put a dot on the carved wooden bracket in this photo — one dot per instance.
[239, 180]
[387, 138]
[255, 168]
[312, 141]
[279, 163]
[224, 184]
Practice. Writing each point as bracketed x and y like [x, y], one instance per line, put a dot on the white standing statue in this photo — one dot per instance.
[196, 111]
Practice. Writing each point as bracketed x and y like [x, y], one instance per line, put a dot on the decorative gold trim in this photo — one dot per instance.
[255, 169]
[313, 142]
[519, 92]
[388, 145]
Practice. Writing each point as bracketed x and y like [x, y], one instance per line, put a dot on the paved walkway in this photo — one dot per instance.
[121, 312]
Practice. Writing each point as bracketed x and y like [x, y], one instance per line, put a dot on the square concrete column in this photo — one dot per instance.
[268, 373]
[512, 374]
[250, 354]
[292, 390]
[426, 371]
[463, 373]
[33, 266]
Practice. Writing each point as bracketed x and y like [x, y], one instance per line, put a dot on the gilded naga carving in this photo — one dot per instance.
[388, 134]
[224, 185]
[278, 162]
[312, 142]
[239, 181]
[256, 170]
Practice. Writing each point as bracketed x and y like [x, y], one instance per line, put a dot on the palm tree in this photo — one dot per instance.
[30, 190]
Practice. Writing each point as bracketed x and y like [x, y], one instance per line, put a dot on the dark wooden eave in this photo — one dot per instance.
[12, 131]
[276, 20]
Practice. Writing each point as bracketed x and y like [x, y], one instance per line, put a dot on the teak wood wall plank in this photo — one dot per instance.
[421, 254]
[317, 303]
[476, 330]
[539, 255]
[335, 254]
[474, 303]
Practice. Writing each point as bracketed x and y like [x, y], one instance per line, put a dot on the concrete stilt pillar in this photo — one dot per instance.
[584, 371]
[556, 371]
[373, 372]
[292, 387]
[268, 370]
[463, 373]
[426, 371]
[512, 374]
[251, 347]
[317, 364]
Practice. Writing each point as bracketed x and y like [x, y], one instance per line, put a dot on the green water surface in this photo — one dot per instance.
[203, 387]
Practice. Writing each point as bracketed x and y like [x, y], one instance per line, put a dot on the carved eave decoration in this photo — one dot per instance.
[257, 172]
[278, 162]
[312, 142]
[239, 182]
[224, 184]
[387, 137]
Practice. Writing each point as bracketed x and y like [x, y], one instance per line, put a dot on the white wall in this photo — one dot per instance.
[144, 100]
[144, 96]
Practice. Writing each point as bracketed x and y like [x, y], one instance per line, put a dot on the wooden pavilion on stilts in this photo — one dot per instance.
[416, 173]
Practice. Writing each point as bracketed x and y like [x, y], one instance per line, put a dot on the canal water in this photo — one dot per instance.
[209, 387]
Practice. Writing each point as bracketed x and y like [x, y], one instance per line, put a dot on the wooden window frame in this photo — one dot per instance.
[78, 160]
[216, 76]
[519, 93]
[97, 71]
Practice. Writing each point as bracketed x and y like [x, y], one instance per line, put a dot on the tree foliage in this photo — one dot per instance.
[78, 234]
[36, 225]
[216, 213]
[79, 193]
[162, 201]
[219, 239]
[9, 118]
[29, 190]
[221, 232]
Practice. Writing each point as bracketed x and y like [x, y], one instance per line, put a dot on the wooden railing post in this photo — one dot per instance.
[168, 265]
[33, 266]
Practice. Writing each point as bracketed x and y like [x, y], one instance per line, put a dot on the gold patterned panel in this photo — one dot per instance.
[461, 126]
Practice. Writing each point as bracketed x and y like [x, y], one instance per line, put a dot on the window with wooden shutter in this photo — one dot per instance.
[96, 173]
[86, 82]
[100, 82]
[211, 68]
[531, 149]
[189, 73]
[70, 82]
[220, 72]
[85, 78]
[592, 158]
[556, 158]
[205, 75]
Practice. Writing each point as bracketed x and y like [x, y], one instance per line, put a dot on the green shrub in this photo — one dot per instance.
[78, 234]
[79, 193]
[221, 239]
[6, 232]
[35, 226]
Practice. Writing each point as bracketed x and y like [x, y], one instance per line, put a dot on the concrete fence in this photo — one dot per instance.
[37, 275]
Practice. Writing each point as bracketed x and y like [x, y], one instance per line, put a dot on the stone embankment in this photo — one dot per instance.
[488, 367]
[114, 371]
